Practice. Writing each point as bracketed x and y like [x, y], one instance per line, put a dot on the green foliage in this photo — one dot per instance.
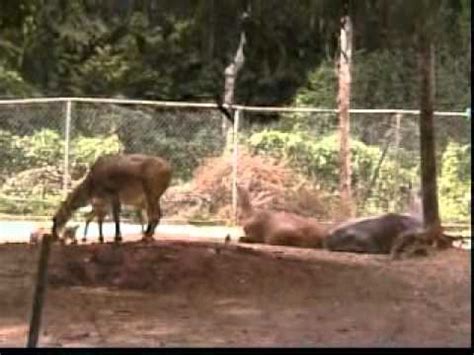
[9, 154]
[13, 84]
[104, 71]
[319, 160]
[170, 50]
[31, 206]
[176, 50]
[44, 148]
[320, 89]
[34, 167]
[86, 150]
[184, 148]
[455, 183]
[384, 78]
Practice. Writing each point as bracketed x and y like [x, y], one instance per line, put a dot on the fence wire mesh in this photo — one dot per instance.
[32, 151]
[384, 149]
[287, 160]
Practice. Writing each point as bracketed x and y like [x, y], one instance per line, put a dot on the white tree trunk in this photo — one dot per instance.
[230, 73]
[344, 96]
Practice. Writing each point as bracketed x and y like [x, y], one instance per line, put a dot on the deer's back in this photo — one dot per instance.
[127, 173]
[296, 230]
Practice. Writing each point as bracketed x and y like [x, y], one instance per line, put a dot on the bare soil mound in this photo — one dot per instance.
[181, 293]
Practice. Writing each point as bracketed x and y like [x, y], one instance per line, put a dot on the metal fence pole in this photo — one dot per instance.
[67, 131]
[398, 117]
[235, 159]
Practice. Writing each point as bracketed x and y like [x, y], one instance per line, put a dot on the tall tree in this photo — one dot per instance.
[343, 101]
[231, 72]
[427, 129]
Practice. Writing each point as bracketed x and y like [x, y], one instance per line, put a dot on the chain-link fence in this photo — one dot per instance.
[288, 158]
[385, 159]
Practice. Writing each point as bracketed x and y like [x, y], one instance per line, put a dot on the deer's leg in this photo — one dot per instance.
[100, 221]
[89, 218]
[116, 214]
[140, 218]
[154, 216]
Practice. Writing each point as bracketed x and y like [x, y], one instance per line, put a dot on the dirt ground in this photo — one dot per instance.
[201, 293]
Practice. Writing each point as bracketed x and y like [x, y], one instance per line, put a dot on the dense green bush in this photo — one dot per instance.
[455, 183]
[86, 150]
[319, 160]
[184, 138]
[32, 168]
[12, 83]
[44, 148]
[9, 154]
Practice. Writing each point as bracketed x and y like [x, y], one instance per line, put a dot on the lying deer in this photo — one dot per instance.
[100, 209]
[383, 234]
[278, 228]
[388, 233]
[142, 176]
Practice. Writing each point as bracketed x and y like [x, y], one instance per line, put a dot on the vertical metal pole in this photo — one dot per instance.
[398, 117]
[40, 290]
[235, 159]
[67, 131]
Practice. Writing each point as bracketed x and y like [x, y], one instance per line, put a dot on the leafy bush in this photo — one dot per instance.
[86, 150]
[183, 138]
[9, 154]
[32, 168]
[319, 160]
[44, 148]
[40, 150]
[455, 183]
[13, 84]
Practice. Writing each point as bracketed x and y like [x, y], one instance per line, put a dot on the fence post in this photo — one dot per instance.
[235, 159]
[398, 117]
[39, 292]
[67, 131]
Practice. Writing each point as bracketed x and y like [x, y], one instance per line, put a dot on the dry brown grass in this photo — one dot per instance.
[271, 184]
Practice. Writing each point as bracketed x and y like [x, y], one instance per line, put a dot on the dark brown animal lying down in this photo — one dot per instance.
[278, 228]
[390, 233]
[374, 235]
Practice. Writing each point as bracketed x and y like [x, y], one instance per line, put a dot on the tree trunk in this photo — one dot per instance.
[230, 73]
[344, 96]
[427, 138]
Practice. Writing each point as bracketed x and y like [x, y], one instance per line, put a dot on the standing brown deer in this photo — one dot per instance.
[112, 176]
[278, 228]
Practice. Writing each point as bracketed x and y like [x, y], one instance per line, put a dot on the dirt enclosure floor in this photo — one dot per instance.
[195, 293]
